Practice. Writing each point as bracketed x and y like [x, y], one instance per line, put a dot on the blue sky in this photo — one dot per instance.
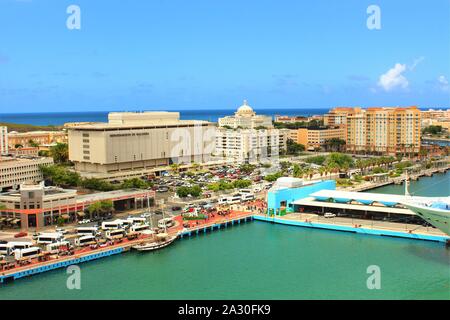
[177, 54]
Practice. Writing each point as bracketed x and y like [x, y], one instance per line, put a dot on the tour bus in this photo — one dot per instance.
[137, 220]
[166, 223]
[8, 248]
[115, 234]
[31, 253]
[85, 240]
[110, 225]
[247, 196]
[126, 223]
[223, 200]
[234, 199]
[45, 238]
[87, 230]
[139, 227]
[54, 247]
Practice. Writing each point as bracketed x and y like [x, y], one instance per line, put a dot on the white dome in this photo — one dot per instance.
[245, 109]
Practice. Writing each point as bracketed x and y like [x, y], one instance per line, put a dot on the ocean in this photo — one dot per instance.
[59, 118]
[259, 260]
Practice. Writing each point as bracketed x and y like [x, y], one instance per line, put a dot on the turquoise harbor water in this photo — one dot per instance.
[259, 260]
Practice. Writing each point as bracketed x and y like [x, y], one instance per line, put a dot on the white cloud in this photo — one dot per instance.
[443, 83]
[394, 78]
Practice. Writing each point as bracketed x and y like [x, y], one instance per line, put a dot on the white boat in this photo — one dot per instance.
[434, 210]
[163, 241]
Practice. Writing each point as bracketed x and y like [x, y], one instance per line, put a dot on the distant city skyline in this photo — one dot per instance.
[179, 55]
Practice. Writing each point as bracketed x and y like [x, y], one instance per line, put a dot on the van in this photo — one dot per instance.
[45, 238]
[115, 234]
[85, 240]
[166, 223]
[30, 253]
[54, 247]
[109, 225]
[234, 199]
[248, 197]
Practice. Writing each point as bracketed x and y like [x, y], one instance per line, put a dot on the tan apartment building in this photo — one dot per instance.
[384, 130]
[39, 137]
[313, 138]
[338, 116]
[139, 141]
[15, 171]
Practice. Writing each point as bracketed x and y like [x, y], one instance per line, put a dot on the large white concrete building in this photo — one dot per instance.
[15, 171]
[139, 140]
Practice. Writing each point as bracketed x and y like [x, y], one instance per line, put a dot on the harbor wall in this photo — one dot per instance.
[59, 264]
[376, 232]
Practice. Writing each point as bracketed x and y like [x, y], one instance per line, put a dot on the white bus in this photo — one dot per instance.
[234, 199]
[54, 247]
[223, 200]
[85, 240]
[8, 248]
[115, 234]
[166, 223]
[110, 225]
[87, 230]
[137, 220]
[31, 253]
[45, 238]
[247, 196]
[139, 227]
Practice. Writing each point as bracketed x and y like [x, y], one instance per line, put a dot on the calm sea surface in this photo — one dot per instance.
[59, 118]
[258, 260]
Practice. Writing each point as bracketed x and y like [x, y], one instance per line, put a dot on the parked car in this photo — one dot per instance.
[61, 230]
[329, 215]
[176, 208]
[20, 234]
[84, 221]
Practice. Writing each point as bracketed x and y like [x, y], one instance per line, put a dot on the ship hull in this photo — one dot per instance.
[436, 217]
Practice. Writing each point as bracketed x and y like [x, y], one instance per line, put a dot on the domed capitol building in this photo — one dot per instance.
[246, 118]
[249, 137]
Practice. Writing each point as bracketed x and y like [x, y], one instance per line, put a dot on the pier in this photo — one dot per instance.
[358, 226]
[237, 219]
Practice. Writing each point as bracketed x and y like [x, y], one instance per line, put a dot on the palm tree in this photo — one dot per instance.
[60, 152]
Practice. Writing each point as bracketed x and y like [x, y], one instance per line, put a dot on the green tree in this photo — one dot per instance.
[99, 208]
[33, 143]
[60, 176]
[334, 144]
[97, 184]
[293, 148]
[60, 153]
[135, 183]
[240, 184]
